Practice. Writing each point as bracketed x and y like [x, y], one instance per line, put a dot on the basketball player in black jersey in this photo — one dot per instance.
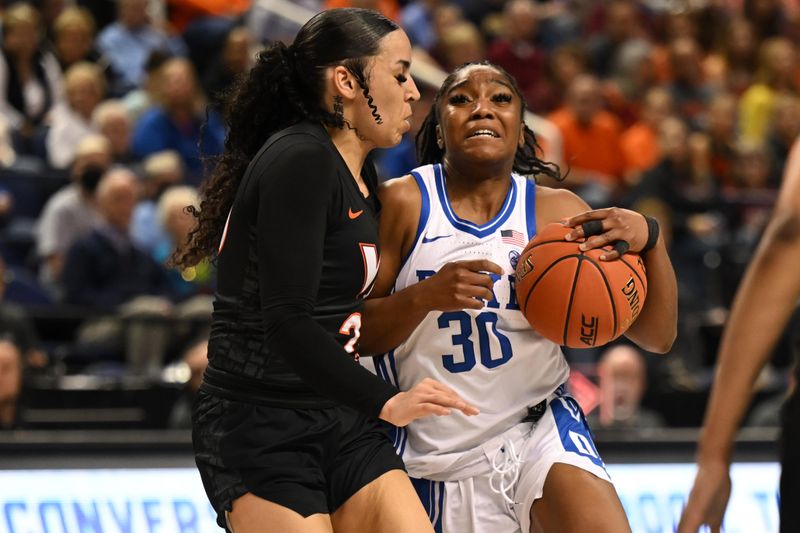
[768, 294]
[285, 426]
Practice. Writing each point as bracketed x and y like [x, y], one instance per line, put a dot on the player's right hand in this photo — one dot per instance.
[460, 285]
[428, 397]
[708, 498]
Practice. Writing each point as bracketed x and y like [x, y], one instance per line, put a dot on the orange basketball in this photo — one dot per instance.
[573, 298]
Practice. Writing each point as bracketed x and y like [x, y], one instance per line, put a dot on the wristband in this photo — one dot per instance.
[652, 234]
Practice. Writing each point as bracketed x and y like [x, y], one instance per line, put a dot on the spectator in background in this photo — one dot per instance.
[128, 42]
[689, 91]
[731, 66]
[11, 370]
[112, 120]
[204, 25]
[564, 65]
[71, 120]
[768, 17]
[235, 59]
[161, 171]
[785, 128]
[73, 39]
[70, 213]
[145, 97]
[105, 269]
[176, 123]
[592, 142]
[621, 24]
[17, 327]
[417, 20]
[195, 360]
[623, 382]
[460, 43]
[681, 185]
[640, 142]
[30, 78]
[517, 50]
[777, 73]
[178, 222]
[632, 76]
[750, 205]
[722, 134]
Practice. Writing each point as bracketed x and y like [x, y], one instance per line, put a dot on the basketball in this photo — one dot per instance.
[573, 298]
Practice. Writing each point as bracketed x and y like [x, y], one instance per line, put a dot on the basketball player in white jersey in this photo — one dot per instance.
[451, 233]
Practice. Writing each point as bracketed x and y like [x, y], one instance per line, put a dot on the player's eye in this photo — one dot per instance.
[502, 97]
[458, 99]
[401, 78]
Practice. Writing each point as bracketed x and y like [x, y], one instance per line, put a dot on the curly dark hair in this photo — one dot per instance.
[526, 162]
[284, 87]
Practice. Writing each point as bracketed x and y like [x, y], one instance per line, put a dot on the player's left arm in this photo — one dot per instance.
[656, 327]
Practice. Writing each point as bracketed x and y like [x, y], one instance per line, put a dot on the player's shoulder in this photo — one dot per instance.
[554, 204]
[400, 192]
[304, 139]
[303, 149]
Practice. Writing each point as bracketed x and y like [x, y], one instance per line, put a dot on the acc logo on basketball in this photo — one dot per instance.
[525, 268]
[589, 330]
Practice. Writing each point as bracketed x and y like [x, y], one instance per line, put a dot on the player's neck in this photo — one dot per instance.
[474, 198]
[352, 149]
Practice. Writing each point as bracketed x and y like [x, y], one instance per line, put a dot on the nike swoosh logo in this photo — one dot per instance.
[354, 214]
[431, 239]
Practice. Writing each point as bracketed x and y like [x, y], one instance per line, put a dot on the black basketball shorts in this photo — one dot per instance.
[309, 460]
[790, 466]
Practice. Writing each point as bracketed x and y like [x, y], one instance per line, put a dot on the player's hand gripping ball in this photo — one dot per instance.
[571, 297]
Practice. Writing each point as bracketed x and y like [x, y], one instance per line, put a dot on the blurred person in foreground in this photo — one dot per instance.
[766, 299]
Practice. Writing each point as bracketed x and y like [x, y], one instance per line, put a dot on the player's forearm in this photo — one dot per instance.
[387, 322]
[655, 328]
[766, 298]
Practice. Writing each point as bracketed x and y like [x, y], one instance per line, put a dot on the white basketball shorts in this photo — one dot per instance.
[522, 457]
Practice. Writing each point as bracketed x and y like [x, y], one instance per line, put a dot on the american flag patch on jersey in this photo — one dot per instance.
[510, 236]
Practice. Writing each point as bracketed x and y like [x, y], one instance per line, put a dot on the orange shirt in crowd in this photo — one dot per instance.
[389, 8]
[640, 148]
[595, 147]
[182, 12]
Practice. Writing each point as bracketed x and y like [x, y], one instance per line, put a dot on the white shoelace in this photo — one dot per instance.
[506, 463]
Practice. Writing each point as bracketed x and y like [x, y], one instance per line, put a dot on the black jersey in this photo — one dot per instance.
[298, 255]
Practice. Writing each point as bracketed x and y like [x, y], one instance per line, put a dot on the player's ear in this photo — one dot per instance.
[344, 83]
[521, 141]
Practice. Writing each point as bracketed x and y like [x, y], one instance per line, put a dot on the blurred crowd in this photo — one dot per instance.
[111, 111]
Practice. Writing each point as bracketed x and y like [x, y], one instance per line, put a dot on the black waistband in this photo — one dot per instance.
[536, 412]
[243, 389]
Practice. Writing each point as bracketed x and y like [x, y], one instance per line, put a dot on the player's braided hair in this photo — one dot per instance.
[284, 87]
[526, 161]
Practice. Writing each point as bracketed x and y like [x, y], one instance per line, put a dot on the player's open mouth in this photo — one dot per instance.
[485, 132]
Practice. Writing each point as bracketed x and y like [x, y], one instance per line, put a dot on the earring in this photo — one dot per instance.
[338, 109]
[440, 143]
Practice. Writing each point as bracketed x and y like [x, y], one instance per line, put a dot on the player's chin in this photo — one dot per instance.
[390, 140]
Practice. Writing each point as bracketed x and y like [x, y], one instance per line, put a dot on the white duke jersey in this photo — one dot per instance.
[491, 356]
